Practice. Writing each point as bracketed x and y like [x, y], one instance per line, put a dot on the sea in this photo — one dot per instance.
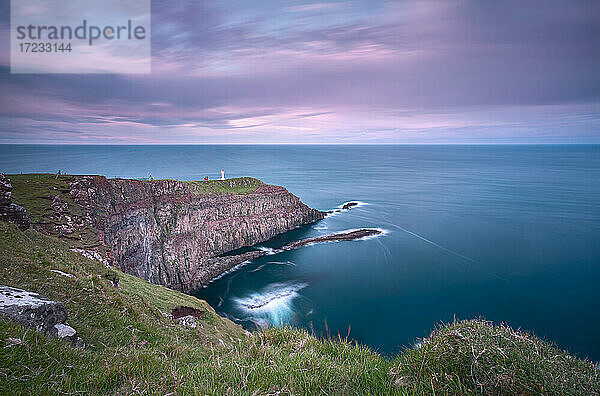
[508, 233]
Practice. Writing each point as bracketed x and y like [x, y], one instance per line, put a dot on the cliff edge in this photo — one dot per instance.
[168, 232]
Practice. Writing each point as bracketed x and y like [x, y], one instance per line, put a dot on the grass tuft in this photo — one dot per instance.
[477, 357]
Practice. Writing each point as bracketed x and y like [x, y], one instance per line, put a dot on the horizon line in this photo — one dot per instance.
[306, 144]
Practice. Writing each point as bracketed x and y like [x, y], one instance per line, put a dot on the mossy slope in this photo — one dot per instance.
[133, 348]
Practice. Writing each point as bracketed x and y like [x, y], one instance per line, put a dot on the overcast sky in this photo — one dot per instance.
[241, 71]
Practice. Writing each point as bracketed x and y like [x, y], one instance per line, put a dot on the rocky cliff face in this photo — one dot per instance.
[10, 211]
[171, 233]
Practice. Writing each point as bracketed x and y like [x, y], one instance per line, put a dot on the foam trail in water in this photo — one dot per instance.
[283, 263]
[436, 244]
[258, 268]
[478, 265]
[229, 271]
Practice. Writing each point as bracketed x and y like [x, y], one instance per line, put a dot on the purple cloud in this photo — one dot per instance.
[334, 72]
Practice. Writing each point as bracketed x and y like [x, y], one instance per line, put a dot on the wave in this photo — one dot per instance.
[273, 303]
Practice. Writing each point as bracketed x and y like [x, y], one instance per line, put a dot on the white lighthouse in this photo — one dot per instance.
[222, 174]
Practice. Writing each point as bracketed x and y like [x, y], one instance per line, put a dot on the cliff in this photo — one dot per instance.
[165, 231]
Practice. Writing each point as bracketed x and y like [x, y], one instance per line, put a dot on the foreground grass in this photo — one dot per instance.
[133, 348]
[477, 357]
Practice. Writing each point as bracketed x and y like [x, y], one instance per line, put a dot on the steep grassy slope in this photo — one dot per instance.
[133, 348]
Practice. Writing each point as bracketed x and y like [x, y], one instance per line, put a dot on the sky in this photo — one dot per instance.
[339, 72]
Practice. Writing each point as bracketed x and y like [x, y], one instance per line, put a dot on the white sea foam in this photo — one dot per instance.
[283, 262]
[320, 227]
[274, 302]
[358, 204]
[268, 250]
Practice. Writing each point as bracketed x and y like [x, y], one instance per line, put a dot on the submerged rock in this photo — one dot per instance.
[37, 312]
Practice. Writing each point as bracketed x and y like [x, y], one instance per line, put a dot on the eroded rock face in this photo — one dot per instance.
[9, 211]
[37, 312]
[171, 233]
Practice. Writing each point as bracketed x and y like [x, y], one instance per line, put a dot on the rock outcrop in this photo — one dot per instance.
[233, 260]
[10, 211]
[337, 237]
[37, 312]
[170, 232]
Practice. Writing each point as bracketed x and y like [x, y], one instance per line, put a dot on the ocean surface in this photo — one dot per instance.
[508, 233]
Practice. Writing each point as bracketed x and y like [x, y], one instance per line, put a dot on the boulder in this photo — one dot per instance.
[37, 312]
[188, 321]
[349, 205]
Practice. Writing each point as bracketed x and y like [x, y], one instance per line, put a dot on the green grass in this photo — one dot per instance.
[236, 185]
[35, 192]
[476, 357]
[239, 185]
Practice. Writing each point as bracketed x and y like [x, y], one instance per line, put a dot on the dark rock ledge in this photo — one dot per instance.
[231, 261]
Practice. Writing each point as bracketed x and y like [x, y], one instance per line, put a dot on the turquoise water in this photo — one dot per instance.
[510, 233]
